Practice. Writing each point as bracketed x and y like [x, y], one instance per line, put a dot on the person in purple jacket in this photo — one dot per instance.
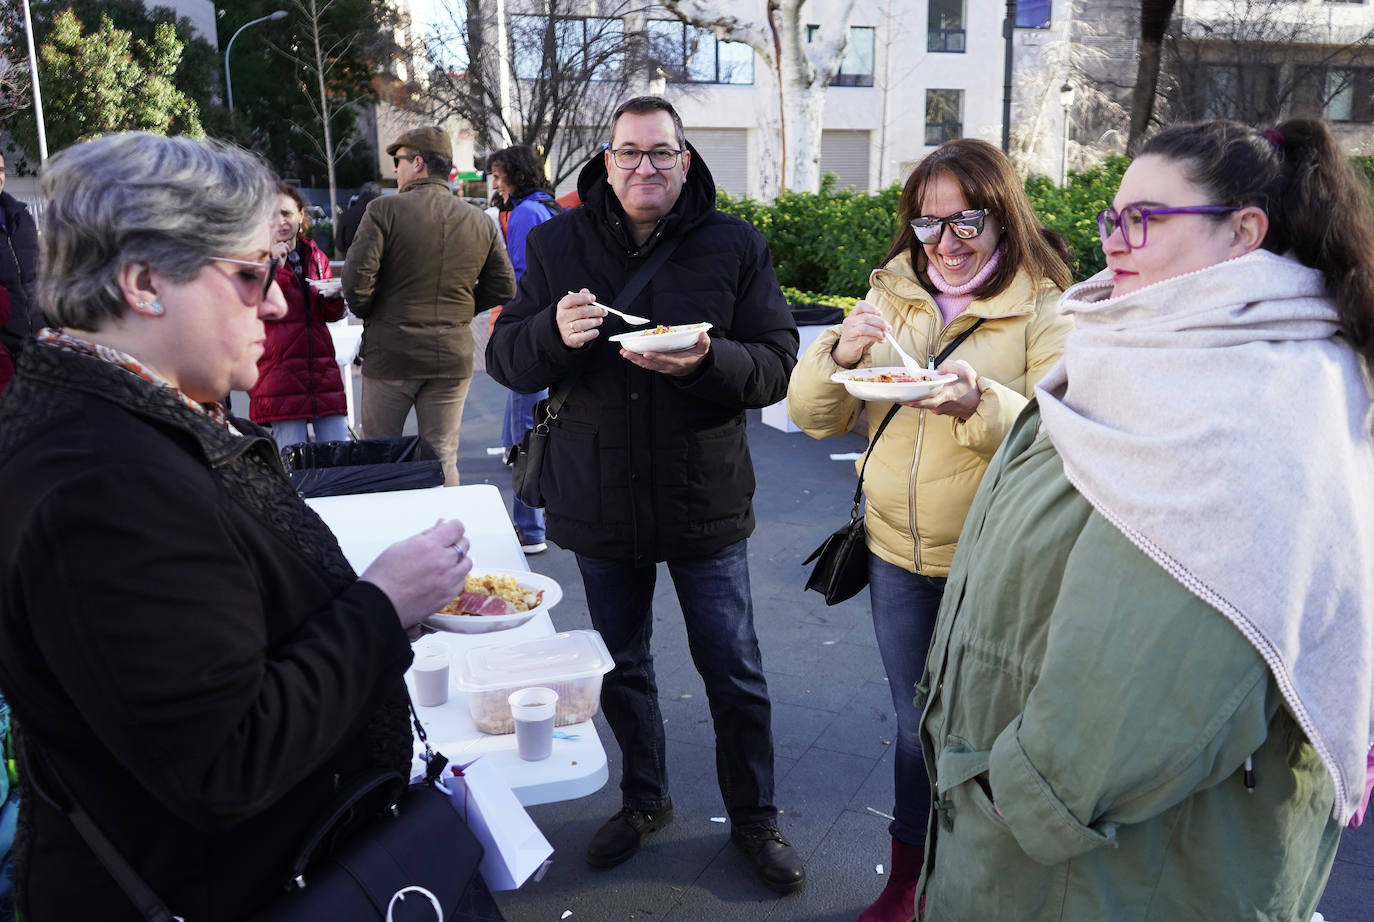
[517, 177]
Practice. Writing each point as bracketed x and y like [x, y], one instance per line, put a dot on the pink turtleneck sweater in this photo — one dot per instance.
[955, 299]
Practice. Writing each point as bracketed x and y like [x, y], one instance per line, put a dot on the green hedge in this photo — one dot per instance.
[826, 241]
[829, 241]
[1072, 210]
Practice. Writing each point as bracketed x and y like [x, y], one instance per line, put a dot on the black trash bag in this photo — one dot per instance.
[365, 466]
[816, 315]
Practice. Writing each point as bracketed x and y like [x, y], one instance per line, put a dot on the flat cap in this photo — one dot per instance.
[427, 140]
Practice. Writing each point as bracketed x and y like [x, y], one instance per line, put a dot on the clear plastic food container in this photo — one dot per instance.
[571, 663]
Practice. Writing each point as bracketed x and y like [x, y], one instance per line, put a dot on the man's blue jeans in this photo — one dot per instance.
[520, 417]
[904, 608]
[718, 612]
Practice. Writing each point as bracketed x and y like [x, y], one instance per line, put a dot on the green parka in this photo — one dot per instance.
[1087, 724]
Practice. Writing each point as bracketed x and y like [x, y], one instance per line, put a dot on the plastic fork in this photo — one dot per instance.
[912, 366]
[632, 319]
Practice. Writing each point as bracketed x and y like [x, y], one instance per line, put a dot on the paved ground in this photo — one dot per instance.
[831, 719]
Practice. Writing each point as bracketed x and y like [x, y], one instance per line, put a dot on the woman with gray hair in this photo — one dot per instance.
[183, 645]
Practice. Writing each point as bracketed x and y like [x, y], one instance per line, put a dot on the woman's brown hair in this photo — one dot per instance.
[987, 179]
[295, 195]
[1318, 207]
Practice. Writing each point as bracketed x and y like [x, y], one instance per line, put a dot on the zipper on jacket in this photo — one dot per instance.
[911, 489]
[920, 433]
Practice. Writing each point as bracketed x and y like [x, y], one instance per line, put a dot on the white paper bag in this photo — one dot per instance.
[515, 848]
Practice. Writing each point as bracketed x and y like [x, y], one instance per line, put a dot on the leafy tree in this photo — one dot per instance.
[198, 73]
[108, 81]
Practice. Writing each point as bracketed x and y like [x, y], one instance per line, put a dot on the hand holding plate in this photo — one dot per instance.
[675, 364]
[958, 398]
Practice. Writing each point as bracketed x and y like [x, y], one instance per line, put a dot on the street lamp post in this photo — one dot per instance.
[1066, 103]
[228, 81]
[37, 95]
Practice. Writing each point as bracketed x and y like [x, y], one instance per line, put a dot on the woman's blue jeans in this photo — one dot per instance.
[904, 609]
[718, 612]
[519, 417]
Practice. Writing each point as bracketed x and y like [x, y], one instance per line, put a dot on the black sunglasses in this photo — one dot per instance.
[396, 159]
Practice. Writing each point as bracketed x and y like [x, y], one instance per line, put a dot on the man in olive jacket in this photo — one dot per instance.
[647, 460]
[422, 263]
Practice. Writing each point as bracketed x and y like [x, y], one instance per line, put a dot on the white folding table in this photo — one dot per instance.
[368, 523]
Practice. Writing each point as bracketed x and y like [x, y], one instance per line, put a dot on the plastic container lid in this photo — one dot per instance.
[564, 657]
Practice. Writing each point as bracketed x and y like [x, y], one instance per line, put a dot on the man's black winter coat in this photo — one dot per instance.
[643, 467]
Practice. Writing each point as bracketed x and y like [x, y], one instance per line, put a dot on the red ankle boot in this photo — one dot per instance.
[897, 902]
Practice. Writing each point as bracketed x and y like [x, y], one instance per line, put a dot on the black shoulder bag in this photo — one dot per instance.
[527, 458]
[842, 559]
[416, 852]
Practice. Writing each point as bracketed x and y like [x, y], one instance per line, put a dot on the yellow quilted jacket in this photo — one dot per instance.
[926, 468]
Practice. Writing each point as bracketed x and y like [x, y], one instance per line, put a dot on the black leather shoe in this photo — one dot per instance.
[618, 840]
[773, 857]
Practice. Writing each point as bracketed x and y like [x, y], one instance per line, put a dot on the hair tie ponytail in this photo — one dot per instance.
[1274, 137]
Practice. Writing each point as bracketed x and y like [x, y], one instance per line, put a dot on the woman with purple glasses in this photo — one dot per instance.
[1149, 692]
[970, 253]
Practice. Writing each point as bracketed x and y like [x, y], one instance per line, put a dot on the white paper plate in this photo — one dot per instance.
[485, 624]
[678, 338]
[858, 382]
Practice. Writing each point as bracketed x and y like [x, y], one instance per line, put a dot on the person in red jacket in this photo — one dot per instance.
[298, 380]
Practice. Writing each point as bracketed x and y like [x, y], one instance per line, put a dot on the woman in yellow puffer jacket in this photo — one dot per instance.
[970, 249]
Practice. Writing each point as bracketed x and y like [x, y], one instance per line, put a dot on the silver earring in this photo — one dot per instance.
[151, 308]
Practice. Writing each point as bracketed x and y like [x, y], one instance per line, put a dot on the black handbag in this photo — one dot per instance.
[526, 459]
[841, 569]
[842, 559]
[414, 860]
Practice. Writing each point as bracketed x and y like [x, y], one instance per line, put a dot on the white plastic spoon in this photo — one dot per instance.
[632, 319]
[912, 366]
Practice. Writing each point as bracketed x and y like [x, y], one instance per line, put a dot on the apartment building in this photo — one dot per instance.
[916, 73]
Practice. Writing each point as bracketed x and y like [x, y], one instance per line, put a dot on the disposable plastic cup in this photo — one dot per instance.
[430, 672]
[533, 710]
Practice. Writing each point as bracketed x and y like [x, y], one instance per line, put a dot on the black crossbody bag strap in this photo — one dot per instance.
[148, 904]
[937, 361]
[621, 303]
[134, 887]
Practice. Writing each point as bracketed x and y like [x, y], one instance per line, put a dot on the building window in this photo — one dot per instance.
[944, 115]
[1344, 95]
[1033, 14]
[691, 55]
[1244, 92]
[945, 26]
[857, 67]
[591, 45]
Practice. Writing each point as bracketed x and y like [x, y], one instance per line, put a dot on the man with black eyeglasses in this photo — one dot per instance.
[420, 266]
[647, 461]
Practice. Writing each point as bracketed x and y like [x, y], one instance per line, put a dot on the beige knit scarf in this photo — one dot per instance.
[1218, 421]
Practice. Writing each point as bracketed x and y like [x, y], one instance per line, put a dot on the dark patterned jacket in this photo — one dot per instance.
[182, 639]
[18, 274]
